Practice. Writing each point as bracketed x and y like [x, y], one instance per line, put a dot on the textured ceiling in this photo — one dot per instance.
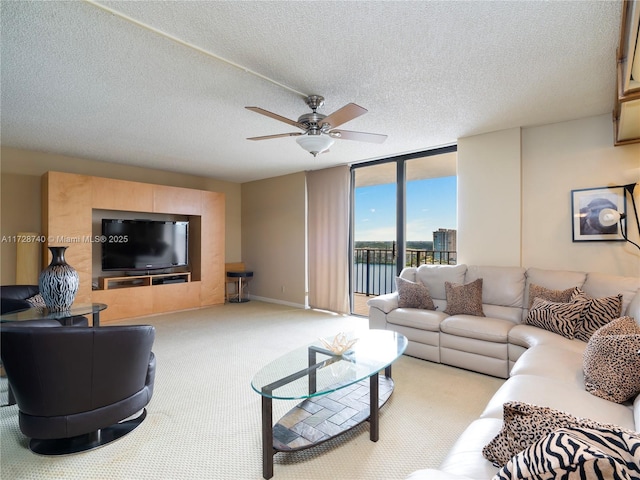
[81, 81]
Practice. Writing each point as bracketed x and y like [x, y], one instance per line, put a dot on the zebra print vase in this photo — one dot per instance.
[58, 282]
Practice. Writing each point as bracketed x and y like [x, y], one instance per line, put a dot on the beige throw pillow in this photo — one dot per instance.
[464, 299]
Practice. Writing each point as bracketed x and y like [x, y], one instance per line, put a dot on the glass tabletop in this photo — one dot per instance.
[43, 313]
[291, 375]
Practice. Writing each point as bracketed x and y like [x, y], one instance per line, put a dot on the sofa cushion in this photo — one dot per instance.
[434, 276]
[560, 296]
[465, 457]
[385, 303]
[513, 314]
[417, 318]
[464, 299]
[596, 312]
[576, 454]
[413, 295]
[529, 336]
[560, 318]
[500, 285]
[524, 424]
[560, 395]
[604, 285]
[470, 326]
[612, 361]
[564, 364]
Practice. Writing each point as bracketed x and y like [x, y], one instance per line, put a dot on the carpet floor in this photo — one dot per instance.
[204, 419]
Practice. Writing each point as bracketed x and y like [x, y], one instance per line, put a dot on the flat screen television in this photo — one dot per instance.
[144, 244]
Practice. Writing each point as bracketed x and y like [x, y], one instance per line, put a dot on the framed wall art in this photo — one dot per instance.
[587, 207]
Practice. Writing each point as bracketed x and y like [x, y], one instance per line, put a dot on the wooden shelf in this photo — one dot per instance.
[129, 281]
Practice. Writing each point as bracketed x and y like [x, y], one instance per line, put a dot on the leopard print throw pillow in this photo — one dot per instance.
[464, 299]
[596, 313]
[560, 296]
[524, 424]
[413, 295]
[612, 361]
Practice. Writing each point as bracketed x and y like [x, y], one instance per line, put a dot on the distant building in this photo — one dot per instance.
[444, 240]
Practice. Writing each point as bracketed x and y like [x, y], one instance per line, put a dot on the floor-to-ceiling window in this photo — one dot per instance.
[404, 214]
[374, 228]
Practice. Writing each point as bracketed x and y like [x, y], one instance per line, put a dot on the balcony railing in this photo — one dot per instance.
[374, 269]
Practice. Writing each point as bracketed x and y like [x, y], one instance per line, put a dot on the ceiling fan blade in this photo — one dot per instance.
[358, 136]
[344, 114]
[275, 116]
[278, 135]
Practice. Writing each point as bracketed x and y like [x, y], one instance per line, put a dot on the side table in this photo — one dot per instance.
[242, 294]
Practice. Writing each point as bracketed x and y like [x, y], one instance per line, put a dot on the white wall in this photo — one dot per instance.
[567, 156]
[489, 197]
[514, 196]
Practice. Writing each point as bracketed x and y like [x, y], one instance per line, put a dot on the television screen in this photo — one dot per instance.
[144, 244]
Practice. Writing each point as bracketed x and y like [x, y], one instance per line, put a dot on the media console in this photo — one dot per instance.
[128, 281]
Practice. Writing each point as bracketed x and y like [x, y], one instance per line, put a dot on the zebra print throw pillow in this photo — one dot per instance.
[413, 294]
[596, 313]
[560, 318]
[611, 361]
[524, 424]
[574, 453]
[464, 299]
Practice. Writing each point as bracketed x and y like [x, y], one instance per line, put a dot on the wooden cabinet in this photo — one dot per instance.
[180, 296]
[66, 221]
[68, 203]
[124, 303]
[177, 200]
[110, 194]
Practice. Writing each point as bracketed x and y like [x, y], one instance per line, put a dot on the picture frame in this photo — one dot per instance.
[586, 204]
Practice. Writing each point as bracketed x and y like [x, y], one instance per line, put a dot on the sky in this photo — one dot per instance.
[431, 204]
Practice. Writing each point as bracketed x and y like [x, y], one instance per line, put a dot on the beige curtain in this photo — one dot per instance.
[328, 242]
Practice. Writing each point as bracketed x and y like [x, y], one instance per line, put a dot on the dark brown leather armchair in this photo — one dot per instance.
[75, 386]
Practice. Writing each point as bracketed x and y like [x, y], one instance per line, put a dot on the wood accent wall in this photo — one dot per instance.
[67, 204]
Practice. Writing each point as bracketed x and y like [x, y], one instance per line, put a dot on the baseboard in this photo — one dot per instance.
[280, 302]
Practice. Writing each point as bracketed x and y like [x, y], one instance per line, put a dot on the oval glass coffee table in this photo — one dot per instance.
[65, 316]
[337, 391]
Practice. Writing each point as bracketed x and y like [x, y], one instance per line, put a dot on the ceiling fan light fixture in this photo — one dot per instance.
[315, 144]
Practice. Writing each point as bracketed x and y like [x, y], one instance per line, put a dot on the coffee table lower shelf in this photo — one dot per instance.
[321, 418]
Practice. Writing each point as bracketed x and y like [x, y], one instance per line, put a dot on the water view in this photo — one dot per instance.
[374, 268]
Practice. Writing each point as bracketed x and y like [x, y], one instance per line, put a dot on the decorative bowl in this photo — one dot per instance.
[340, 344]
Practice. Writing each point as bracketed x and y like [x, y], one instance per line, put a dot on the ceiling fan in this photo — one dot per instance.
[319, 131]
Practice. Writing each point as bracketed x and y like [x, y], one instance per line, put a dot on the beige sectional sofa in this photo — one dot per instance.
[542, 368]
